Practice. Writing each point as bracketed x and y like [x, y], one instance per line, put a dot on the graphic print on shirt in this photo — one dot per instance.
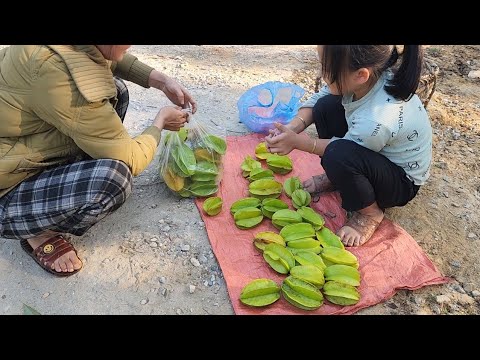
[414, 149]
[412, 165]
[400, 118]
[376, 130]
[413, 136]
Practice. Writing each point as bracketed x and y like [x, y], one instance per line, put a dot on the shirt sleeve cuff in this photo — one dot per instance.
[131, 69]
[155, 132]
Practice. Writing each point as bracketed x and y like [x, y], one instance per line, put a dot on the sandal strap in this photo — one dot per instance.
[52, 249]
[364, 224]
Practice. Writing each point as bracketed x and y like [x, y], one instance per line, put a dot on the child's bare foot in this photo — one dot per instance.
[360, 227]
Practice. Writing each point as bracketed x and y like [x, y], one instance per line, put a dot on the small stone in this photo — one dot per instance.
[163, 280]
[4, 297]
[179, 311]
[419, 301]
[194, 262]
[44, 296]
[185, 247]
[475, 294]
[436, 309]
[191, 289]
[203, 259]
[422, 312]
[154, 239]
[215, 304]
[153, 244]
[166, 228]
[474, 74]
[205, 283]
[458, 288]
[471, 235]
[456, 205]
[164, 292]
[391, 305]
[144, 302]
[445, 193]
[468, 287]
[443, 299]
[161, 221]
[464, 299]
[455, 263]
[441, 164]
[201, 223]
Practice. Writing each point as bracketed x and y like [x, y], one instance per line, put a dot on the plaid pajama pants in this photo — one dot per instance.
[70, 198]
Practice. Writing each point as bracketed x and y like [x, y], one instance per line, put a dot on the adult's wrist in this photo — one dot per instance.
[157, 80]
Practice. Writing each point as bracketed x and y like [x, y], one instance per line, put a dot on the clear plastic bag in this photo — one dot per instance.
[263, 105]
[191, 160]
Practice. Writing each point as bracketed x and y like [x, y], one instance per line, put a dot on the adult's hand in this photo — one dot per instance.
[171, 118]
[175, 92]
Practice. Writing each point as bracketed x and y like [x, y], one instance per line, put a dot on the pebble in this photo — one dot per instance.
[163, 280]
[191, 288]
[185, 247]
[422, 312]
[144, 302]
[153, 244]
[443, 299]
[166, 228]
[205, 283]
[179, 311]
[476, 293]
[458, 288]
[441, 165]
[465, 299]
[215, 304]
[194, 262]
[154, 239]
[44, 296]
[203, 259]
[445, 194]
[418, 301]
[474, 74]
[436, 309]
[472, 235]
[456, 205]
[161, 221]
[455, 263]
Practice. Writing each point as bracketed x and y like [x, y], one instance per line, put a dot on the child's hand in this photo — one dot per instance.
[282, 140]
[171, 118]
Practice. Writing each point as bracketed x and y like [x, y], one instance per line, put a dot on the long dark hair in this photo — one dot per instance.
[338, 60]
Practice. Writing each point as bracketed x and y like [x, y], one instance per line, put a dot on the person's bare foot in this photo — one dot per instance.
[318, 184]
[361, 226]
[68, 262]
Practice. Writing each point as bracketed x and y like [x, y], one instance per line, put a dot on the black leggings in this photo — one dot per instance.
[362, 176]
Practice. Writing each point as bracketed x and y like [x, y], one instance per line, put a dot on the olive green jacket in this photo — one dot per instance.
[57, 103]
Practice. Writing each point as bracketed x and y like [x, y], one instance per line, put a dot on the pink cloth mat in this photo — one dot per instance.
[390, 261]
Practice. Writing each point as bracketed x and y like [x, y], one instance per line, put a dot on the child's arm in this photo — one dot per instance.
[287, 140]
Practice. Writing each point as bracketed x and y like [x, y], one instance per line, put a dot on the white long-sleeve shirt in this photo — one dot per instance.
[399, 130]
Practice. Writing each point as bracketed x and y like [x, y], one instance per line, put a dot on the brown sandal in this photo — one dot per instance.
[322, 185]
[47, 253]
[364, 224]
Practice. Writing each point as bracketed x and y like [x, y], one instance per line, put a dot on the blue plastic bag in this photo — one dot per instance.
[263, 105]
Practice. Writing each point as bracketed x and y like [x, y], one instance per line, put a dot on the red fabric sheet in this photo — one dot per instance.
[391, 260]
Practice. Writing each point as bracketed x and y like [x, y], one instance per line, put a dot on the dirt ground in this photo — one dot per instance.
[141, 259]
